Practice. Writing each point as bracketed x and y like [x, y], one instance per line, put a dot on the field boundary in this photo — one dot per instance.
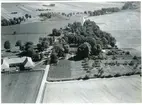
[40, 93]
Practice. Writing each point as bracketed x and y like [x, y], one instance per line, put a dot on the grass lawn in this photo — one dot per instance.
[20, 87]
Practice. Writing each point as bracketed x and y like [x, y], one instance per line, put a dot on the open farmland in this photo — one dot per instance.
[71, 63]
[33, 28]
[21, 87]
[121, 89]
[124, 26]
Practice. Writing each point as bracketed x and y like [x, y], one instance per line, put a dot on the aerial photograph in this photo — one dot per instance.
[71, 52]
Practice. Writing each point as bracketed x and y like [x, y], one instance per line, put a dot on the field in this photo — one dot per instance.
[31, 31]
[65, 70]
[20, 87]
[72, 70]
[121, 89]
[124, 26]
[65, 82]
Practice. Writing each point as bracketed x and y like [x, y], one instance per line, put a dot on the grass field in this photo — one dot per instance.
[20, 87]
[114, 90]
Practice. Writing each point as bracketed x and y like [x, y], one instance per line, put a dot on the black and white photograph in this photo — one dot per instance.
[71, 52]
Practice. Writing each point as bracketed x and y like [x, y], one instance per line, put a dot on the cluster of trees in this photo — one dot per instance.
[18, 20]
[43, 9]
[47, 15]
[59, 50]
[89, 32]
[127, 5]
[56, 32]
[44, 43]
[102, 11]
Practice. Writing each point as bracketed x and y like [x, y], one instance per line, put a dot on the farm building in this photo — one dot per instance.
[13, 63]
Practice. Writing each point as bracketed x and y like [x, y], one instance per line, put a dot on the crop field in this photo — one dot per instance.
[20, 87]
[124, 26]
[23, 8]
[114, 90]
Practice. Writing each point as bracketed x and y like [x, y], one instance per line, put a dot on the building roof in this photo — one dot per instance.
[5, 64]
[28, 63]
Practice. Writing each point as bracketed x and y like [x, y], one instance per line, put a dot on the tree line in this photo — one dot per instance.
[15, 20]
[102, 11]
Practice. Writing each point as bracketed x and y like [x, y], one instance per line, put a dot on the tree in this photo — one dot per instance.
[59, 50]
[94, 50]
[83, 50]
[54, 58]
[26, 16]
[66, 48]
[30, 52]
[36, 57]
[91, 41]
[28, 45]
[56, 32]
[99, 49]
[7, 45]
[18, 43]
[39, 47]
[45, 44]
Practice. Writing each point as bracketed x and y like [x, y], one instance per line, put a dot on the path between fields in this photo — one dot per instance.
[39, 96]
[40, 93]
